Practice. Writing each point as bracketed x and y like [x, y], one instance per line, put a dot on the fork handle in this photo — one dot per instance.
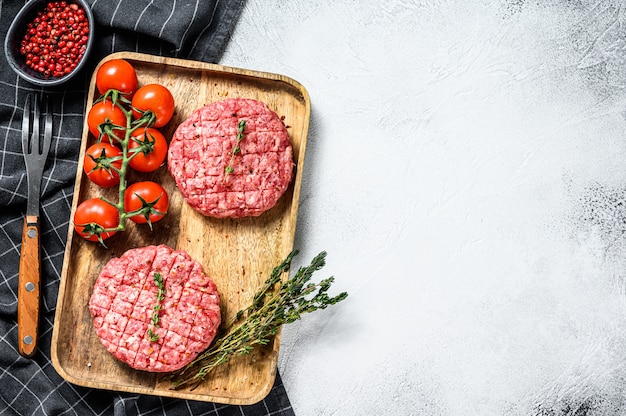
[28, 298]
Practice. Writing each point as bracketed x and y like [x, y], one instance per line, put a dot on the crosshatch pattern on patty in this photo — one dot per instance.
[123, 302]
[220, 182]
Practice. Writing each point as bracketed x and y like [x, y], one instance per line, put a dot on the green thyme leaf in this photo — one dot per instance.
[276, 302]
[158, 281]
[236, 149]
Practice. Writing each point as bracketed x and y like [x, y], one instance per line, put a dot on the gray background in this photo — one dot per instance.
[466, 173]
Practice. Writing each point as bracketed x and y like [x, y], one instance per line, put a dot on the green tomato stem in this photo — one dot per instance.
[126, 157]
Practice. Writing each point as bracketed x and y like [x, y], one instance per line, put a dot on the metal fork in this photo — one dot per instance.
[35, 150]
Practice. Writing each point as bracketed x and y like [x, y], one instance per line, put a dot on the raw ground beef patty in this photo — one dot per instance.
[201, 153]
[125, 295]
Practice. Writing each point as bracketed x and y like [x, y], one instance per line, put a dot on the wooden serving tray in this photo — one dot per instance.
[239, 254]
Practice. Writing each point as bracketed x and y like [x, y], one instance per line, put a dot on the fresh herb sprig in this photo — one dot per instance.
[276, 303]
[236, 149]
[158, 281]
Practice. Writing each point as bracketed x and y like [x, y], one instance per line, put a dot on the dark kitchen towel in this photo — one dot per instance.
[196, 29]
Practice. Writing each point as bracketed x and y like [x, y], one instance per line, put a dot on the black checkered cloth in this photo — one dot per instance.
[195, 29]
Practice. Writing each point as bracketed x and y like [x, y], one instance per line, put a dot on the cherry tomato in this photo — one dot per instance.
[93, 216]
[157, 99]
[117, 74]
[150, 159]
[155, 201]
[98, 164]
[106, 112]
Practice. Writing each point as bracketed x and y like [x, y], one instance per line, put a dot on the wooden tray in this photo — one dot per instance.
[238, 254]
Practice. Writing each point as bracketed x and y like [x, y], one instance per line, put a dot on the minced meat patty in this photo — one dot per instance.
[123, 301]
[221, 183]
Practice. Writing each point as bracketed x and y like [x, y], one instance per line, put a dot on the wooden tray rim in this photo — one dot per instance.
[203, 66]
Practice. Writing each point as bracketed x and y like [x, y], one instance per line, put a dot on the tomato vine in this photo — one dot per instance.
[117, 124]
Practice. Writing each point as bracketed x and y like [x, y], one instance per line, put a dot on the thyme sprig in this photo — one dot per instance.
[158, 281]
[277, 302]
[236, 149]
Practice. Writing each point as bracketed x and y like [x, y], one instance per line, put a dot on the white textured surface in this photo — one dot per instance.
[466, 172]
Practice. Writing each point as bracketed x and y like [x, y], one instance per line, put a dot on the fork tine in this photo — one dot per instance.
[26, 125]
[47, 132]
[35, 144]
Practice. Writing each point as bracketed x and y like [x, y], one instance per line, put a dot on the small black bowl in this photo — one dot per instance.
[16, 32]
